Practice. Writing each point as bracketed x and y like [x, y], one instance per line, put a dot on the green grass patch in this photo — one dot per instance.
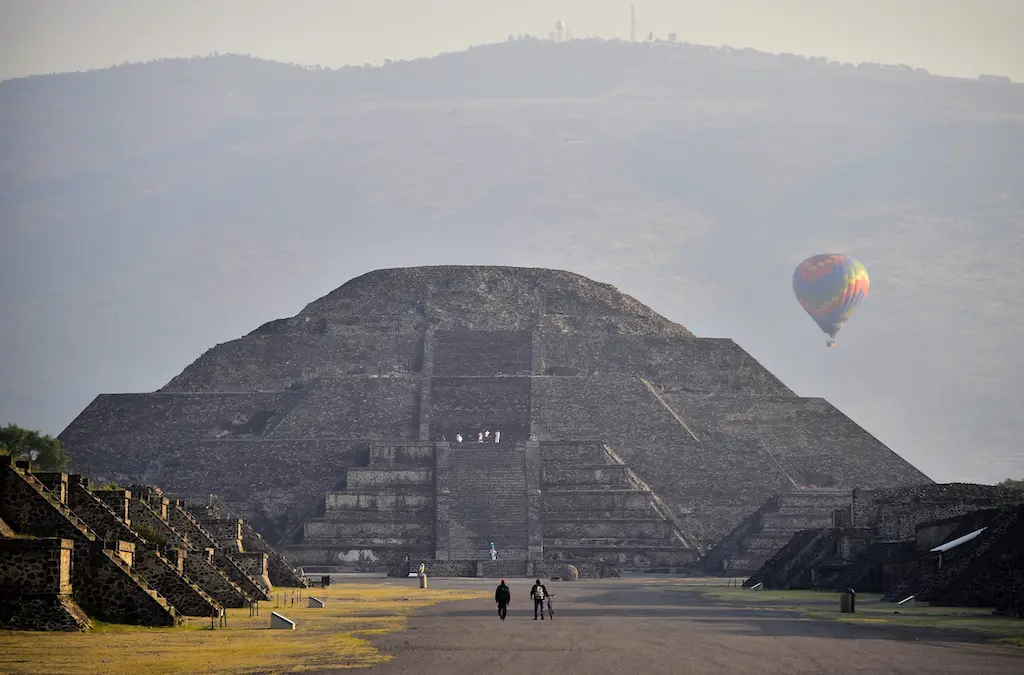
[824, 606]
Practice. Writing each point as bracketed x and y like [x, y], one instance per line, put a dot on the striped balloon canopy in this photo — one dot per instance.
[829, 287]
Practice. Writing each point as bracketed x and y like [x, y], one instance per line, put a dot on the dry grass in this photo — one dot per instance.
[327, 637]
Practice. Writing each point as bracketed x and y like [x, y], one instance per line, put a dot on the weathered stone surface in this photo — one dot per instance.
[276, 419]
[279, 572]
[35, 566]
[186, 597]
[236, 572]
[896, 512]
[35, 586]
[44, 612]
[256, 566]
[102, 583]
[101, 519]
[200, 569]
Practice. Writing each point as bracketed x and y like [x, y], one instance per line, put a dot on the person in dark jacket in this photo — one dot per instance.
[502, 596]
[538, 593]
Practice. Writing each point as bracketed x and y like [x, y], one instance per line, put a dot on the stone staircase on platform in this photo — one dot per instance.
[979, 572]
[595, 509]
[103, 583]
[384, 514]
[763, 534]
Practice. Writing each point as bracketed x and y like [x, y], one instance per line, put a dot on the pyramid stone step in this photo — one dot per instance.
[366, 477]
[607, 474]
[378, 502]
[344, 531]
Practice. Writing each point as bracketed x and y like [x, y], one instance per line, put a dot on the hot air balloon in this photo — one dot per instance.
[829, 287]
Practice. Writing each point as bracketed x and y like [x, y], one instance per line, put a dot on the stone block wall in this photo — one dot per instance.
[373, 477]
[35, 586]
[200, 569]
[405, 454]
[583, 452]
[279, 572]
[226, 531]
[35, 566]
[114, 592]
[339, 503]
[118, 436]
[125, 550]
[468, 405]
[622, 411]
[189, 526]
[482, 353]
[368, 532]
[705, 365]
[272, 484]
[604, 474]
[187, 597]
[117, 501]
[100, 518]
[42, 613]
[354, 407]
[103, 584]
[143, 515]
[896, 512]
[56, 483]
[268, 362]
[30, 509]
[234, 571]
[255, 565]
[603, 503]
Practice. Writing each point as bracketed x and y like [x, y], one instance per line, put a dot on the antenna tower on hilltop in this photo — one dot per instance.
[632, 23]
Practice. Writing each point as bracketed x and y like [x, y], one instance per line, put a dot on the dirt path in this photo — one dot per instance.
[630, 627]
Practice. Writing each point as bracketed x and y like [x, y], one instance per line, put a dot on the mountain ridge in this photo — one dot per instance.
[171, 212]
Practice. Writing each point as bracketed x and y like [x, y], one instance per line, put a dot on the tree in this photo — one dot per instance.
[1013, 484]
[43, 450]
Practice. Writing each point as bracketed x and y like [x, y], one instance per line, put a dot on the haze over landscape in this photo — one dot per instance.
[150, 211]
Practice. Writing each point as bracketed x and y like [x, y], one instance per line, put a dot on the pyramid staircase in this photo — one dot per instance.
[596, 509]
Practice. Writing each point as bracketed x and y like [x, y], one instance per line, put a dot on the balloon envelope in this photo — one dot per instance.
[829, 287]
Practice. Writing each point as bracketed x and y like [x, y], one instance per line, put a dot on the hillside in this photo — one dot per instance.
[152, 210]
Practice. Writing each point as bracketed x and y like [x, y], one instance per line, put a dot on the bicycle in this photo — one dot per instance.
[551, 609]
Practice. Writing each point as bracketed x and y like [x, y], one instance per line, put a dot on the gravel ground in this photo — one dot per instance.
[633, 626]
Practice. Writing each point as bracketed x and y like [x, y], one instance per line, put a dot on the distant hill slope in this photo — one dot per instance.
[152, 210]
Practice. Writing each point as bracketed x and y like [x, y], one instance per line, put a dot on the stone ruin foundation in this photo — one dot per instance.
[70, 554]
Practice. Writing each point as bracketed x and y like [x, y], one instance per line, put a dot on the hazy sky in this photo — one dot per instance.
[952, 37]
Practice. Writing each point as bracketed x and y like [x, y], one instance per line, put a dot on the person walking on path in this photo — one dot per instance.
[502, 596]
[538, 593]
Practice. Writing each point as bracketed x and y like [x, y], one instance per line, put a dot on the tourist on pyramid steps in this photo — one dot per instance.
[458, 438]
[497, 436]
[479, 437]
[538, 593]
[493, 552]
[503, 597]
[487, 435]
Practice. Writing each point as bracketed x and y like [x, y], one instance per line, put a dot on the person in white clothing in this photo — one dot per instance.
[497, 436]
[458, 438]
